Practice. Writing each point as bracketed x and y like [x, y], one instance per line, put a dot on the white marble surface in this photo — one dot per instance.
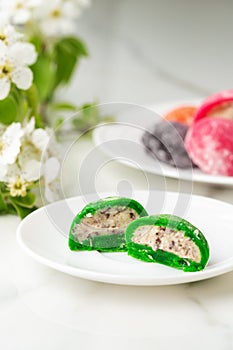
[140, 53]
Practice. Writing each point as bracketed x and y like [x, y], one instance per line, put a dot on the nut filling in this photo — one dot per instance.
[168, 240]
[106, 221]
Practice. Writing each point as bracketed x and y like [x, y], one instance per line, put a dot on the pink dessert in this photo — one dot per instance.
[219, 105]
[209, 143]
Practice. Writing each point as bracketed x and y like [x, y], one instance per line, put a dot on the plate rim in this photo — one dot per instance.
[188, 277]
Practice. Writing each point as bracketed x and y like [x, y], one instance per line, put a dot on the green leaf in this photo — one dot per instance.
[3, 206]
[16, 94]
[63, 106]
[58, 123]
[11, 209]
[37, 42]
[43, 72]
[68, 51]
[26, 202]
[33, 99]
[89, 116]
[15, 205]
[21, 211]
[8, 110]
[33, 103]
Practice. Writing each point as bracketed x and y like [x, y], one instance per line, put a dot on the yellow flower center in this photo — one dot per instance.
[2, 37]
[5, 70]
[19, 5]
[56, 13]
[18, 188]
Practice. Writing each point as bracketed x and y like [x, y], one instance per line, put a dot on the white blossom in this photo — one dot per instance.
[17, 187]
[26, 156]
[4, 17]
[8, 34]
[18, 178]
[29, 127]
[3, 172]
[13, 66]
[58, 17]
[19, 12]
[10, 143]
[31, 170]
[52, 191]
[40, 139]
[43, 141]
[51, 170]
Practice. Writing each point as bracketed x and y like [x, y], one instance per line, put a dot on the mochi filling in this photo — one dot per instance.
[223, 110]
[168, 240]
[106, 221]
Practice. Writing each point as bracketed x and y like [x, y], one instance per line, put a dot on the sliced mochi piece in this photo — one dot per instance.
[101, 225]
[168, 240]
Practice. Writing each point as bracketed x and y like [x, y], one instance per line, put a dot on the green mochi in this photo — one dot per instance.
[103, 242]
[146, 253]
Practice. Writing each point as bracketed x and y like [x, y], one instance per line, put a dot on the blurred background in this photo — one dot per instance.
[154, 50]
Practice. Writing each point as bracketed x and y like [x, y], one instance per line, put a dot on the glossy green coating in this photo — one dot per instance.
[146, 253]
[104, 243]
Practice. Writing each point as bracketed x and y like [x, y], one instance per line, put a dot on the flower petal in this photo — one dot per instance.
[3, 53]
[51, 169]
[70, 10]
[22, 77]
[9, 155]
[27, 152]
[3, 172]
[50, 27]
[4, 17]
[21, 16]
[53, 192]
[40, 139]
[11, 35]
[12, 133]
[31, 171]
[29, 127]
[5, 86]
[34, 3]
[13, 172]
[22, 54]
[11, 140]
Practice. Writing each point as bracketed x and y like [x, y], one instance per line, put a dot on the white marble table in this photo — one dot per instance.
[41, 308]
[137, 52]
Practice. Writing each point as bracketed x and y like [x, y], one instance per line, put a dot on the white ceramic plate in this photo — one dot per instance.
[43, 235]
[122, 141]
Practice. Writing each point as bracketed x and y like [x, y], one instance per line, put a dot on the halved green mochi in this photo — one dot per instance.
[168, 240]
[101, 225]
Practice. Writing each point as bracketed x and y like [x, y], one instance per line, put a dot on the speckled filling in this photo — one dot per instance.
[168, 240]
[110, 220]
